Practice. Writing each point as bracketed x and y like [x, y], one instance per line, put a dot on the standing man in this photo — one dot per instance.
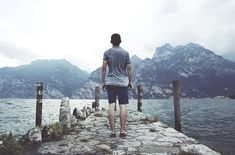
[118, 81]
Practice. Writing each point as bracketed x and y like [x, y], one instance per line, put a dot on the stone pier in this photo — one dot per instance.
[145, 135]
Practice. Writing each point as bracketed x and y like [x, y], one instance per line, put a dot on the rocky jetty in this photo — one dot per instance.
[145, 135]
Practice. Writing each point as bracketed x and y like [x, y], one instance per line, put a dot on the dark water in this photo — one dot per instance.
[210, 121]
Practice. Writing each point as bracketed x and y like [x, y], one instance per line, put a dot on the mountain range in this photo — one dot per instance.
[60, 79]
[200, 71]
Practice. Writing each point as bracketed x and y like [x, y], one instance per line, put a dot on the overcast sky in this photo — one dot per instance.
[80, 30]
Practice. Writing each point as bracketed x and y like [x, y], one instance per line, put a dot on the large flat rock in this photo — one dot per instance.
[145, 135]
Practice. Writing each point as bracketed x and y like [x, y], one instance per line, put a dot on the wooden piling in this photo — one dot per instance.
[39, 104]
[176, 99]
[93, 105]
[97, 98]
[139, 98]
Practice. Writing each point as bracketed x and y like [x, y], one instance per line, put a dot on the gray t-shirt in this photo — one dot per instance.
[117, 59]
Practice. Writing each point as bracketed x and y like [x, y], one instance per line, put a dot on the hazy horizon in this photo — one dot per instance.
[90, 71]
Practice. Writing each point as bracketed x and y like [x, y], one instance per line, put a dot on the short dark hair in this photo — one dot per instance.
[116, 39]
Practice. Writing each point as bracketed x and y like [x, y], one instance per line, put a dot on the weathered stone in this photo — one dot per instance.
[75, 111]
[47, 133]
[54, 148]
[89, 112]
[170, 139]
[84, 108]
[73, 120]
[91, 136]
[197, 149]
[156, 142]
[105, 148]
[156, 149]
[84, 112]
[64, 116]
[79, 114]
[8, 136]
[97, 109]
[33, 137]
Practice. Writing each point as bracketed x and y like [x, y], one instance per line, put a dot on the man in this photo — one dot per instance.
[118, 81]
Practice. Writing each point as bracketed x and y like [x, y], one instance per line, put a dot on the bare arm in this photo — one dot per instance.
[104, 66]
[129, 75]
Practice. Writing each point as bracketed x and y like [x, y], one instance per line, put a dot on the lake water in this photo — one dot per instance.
[210, 121]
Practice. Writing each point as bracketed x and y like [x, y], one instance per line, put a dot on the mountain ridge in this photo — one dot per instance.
[201, 72]
[60, 79]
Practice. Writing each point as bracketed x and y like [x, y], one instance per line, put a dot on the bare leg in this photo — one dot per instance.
[123, 117]
[111, 116]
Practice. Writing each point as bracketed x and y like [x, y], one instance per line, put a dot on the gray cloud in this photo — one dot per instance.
[149, 24]
[13, 52]
[210, 23]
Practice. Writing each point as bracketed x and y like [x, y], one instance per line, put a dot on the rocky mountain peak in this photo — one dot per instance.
[164, 51]
[136, 59]
[51, 63]
[193, 45]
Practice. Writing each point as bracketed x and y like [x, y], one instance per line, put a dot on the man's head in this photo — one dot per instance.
[116, 39]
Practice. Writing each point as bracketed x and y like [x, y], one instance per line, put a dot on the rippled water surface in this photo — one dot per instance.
[211, 121]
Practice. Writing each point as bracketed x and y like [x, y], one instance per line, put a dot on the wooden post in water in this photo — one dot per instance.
[39, 103]
[97, 98]
[139, 98]
[177, 105]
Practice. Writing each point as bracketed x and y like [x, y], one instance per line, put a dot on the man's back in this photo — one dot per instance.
[117, 59]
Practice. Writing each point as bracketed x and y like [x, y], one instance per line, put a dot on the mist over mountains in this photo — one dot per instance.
[201, 72]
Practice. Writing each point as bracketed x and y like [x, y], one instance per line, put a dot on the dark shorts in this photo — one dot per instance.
[121, 92]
